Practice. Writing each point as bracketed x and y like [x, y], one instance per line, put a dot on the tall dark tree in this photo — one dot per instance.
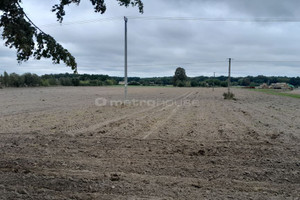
[29, 40]
[5, 79]
[31, 79]
[15, 80]
[180, 77]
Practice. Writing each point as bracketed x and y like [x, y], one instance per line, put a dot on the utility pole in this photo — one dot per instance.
[229, 74]
[125, 79]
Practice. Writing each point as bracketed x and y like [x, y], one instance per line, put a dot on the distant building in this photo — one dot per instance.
[280, 86]
[121, 82]
[263, 86]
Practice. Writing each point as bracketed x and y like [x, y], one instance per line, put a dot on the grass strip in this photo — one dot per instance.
[278, 93]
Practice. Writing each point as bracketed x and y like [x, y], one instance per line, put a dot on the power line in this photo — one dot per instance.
[82, 22]
[161, 18]
[30, 21]
[258, 19]
[176, 64]
[211, 62]
[273, 61]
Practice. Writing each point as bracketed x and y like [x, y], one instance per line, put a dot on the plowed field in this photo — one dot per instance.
[165, 143]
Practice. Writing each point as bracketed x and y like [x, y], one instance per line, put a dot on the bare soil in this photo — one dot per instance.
[295, 91]
[167, 143]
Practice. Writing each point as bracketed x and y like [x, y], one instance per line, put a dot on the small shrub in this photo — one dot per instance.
[228, 95]
[134, 83]
[45, 83]
[180, 84]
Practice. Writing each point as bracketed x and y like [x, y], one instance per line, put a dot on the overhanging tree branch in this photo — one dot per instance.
[20, 32]
[33, 24]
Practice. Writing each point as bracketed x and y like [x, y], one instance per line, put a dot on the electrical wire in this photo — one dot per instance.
[273, 61]
[176, 64]
[258, 19]
[30, 21]
[161, 18]
[82, 22]
[211, 62]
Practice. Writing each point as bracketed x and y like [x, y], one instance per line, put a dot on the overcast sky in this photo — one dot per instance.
[157, 47]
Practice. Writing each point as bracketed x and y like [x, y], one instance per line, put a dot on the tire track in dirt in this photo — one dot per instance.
[211, 120]
[271, 121]
[164, 121]
[237, 124]
[179, 112]
[124, 118]
[160, 123]
[136, 127]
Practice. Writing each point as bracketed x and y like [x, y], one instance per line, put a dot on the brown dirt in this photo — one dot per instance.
[295, 91]
[56, 144]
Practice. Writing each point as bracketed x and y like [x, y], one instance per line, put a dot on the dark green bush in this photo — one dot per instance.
[228, 95]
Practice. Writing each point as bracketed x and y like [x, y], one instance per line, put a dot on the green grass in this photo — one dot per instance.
[278, 93]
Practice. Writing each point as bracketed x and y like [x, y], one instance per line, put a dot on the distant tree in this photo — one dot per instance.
[53, 81]
[31, 79]
[217, 82]
[252, 84]
[110, 82]
[180, 83]
[15, 80]
[202, 84]
[75, 81]
[36, 80]
[224, 83]
[29, 40]
[65, 81]
[240, 81]
[194, 83]
[27, 79]
[5, 79]
[295, 81]
[283, 79]
[180, 77]
[1, 80]
[246, 81]
[45, 83]
[260, 79]
[134, 83]
[93, 82]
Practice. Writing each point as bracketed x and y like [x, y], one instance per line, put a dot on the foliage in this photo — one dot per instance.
[179, 83]
[33, 80]
[134, 83]
[102, 80]
[228, 95]
[5, 79]
[180, 78]
[45, 83]
[75, 81]
[15, 80]
[29, 40]
[223, 83]
[99, 6]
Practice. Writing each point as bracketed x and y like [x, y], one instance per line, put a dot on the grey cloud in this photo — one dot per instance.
[157, 47]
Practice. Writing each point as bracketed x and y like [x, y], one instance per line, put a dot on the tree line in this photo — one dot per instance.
[33, 80]
[179, 80]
